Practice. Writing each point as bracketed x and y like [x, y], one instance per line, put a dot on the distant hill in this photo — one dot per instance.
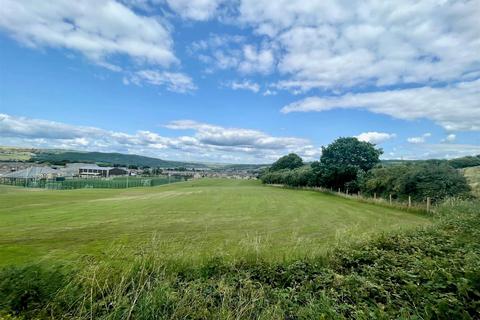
[234, 167]
[111, 159]
[59, 156]
[55, 156]
[457, 163]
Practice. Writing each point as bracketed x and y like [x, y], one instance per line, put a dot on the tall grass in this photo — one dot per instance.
[428, 273]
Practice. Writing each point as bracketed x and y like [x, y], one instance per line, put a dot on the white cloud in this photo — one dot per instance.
[173, 81]
[269, 92]
[450, 138]
[340, 44]
[245, 85]
[21, 127]
[208, 142]
[455, 107]
[450, 150]
[375, 137]
[222, 52]
[96, 28]
[195, 9]
[436, 151]
[236, 137]
[419, 140]
[256, 60]
[102, 31]
[215, 41]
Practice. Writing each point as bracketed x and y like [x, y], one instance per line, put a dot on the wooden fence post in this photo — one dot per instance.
[428, 204]
[374, 196]
[390, 198]
[409, 201]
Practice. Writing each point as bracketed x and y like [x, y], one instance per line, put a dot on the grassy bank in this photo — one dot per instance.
[189, 221]
[428, 273]
[473, 177]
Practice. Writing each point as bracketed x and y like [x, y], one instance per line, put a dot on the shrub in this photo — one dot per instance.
[433, 179]
[303, 176]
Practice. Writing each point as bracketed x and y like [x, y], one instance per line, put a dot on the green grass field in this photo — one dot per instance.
[473, 177]
[15, 154]
[188, 220]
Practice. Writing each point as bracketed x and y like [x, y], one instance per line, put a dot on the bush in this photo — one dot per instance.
[433, 179]
[304, 176]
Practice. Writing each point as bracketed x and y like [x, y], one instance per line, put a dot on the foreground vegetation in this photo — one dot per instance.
[428, 273]
[188, 221]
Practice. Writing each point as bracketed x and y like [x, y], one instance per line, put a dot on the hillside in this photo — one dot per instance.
[16, 154]
[61, 156]
[473, 177]
[110, 158]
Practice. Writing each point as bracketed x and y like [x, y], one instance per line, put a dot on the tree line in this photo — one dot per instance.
[350, 164]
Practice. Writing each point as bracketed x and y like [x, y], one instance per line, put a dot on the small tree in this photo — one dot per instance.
[290, 161]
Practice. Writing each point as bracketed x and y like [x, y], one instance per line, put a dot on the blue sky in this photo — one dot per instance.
[240, 81]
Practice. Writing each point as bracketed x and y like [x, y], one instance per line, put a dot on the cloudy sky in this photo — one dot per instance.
[242, 81]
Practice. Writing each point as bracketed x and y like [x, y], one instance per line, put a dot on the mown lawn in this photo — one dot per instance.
[187, 221]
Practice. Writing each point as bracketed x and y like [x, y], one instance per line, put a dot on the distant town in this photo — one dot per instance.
[58, 168]
[25, 170]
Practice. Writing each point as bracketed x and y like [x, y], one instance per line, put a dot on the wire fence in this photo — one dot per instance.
[115, 183]
[389, 201]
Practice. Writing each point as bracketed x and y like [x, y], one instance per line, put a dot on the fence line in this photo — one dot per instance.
[388, 202]
[118, 183]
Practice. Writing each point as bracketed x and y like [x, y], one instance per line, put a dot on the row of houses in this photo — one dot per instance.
[71, 170]
[207, 173]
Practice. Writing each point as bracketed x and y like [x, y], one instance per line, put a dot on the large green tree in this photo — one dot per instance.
[343, 160]
[290, 161]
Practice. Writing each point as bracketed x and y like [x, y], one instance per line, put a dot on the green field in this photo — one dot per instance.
[15, 154]
[188, 220]
[473, 177]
